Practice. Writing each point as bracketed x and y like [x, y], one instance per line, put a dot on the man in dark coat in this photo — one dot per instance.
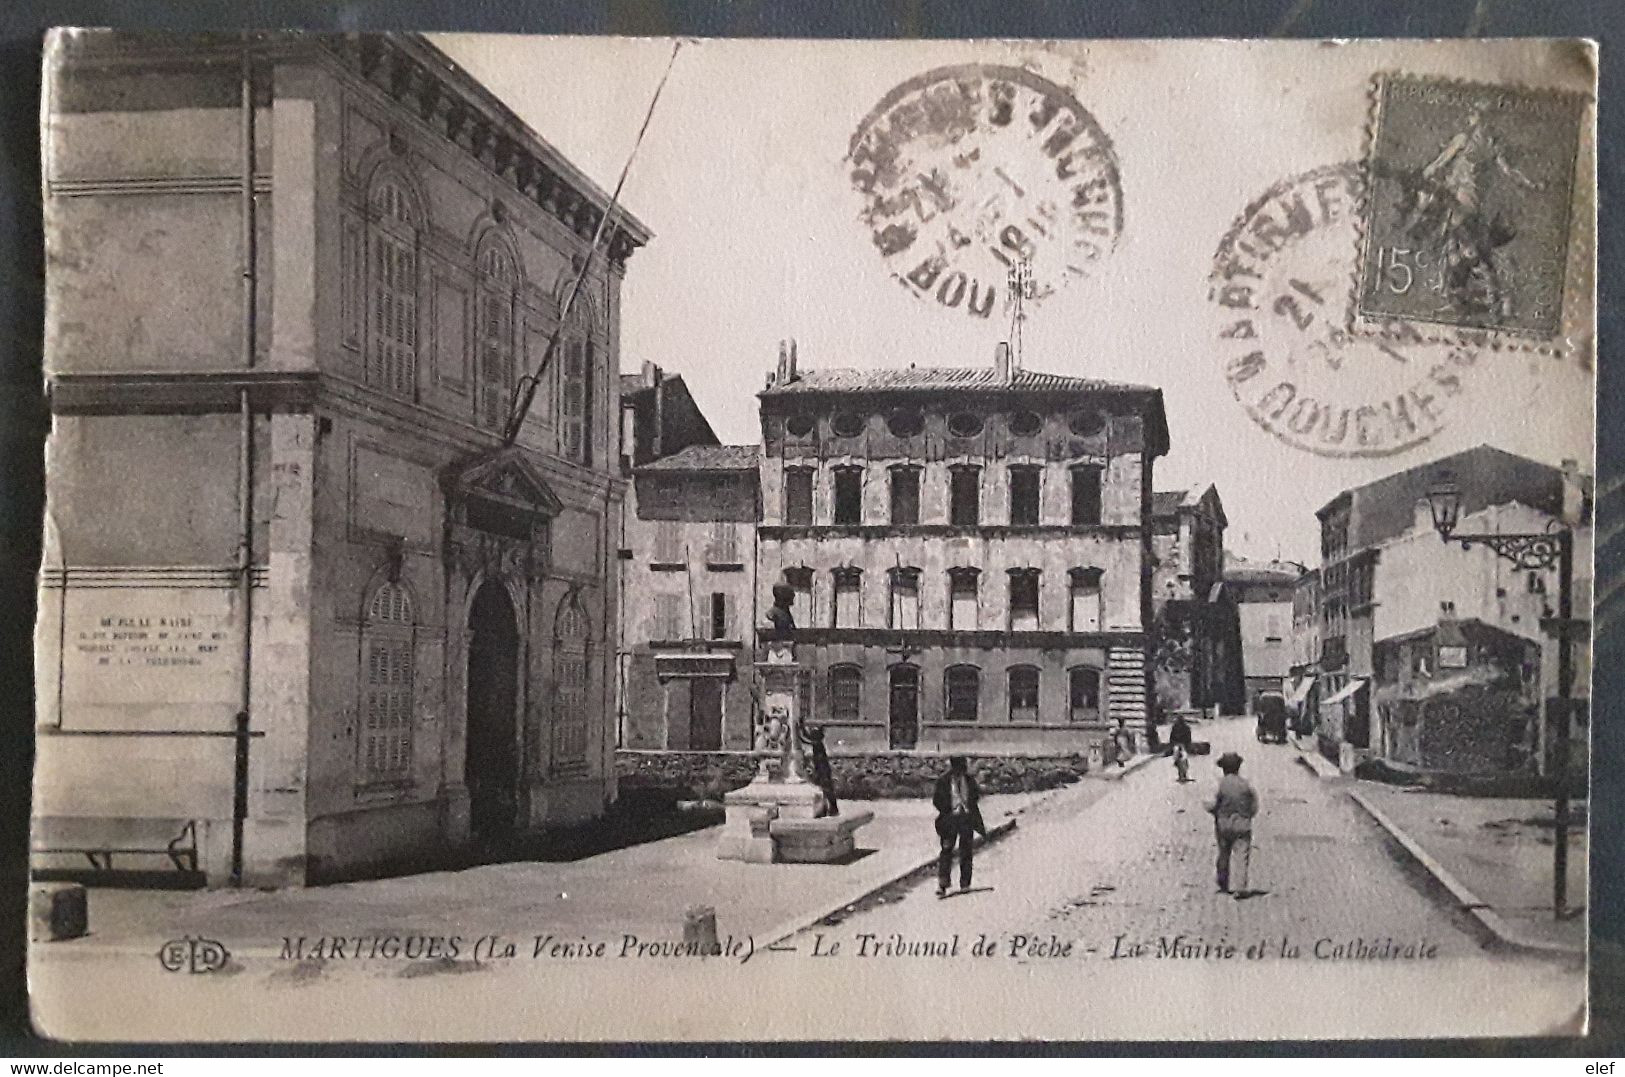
[823, 775]
[959, 818]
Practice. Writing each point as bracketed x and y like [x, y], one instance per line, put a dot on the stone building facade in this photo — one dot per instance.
[293, 283]
[1263, 593]
[1196, 657]
[1385, 575]
[971, 550]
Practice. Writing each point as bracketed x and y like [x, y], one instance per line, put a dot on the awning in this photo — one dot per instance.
[1348, 690]
[1300, 691]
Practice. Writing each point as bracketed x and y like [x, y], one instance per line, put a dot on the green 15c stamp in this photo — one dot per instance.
[1469, 211]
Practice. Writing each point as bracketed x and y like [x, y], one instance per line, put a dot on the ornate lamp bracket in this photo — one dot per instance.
[1525, 551]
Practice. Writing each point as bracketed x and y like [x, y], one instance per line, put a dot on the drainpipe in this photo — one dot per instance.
[245, 473]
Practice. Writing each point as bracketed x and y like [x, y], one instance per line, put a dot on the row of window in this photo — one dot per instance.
[964, 495]
[1085, 599]
[908, 422]
[388, 638]
[385, 259]
[962, 693]
[672, 544]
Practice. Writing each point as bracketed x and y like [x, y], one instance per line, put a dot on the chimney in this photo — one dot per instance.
[651, 374]
[783, 374]
[1001, 361]
[792, 370]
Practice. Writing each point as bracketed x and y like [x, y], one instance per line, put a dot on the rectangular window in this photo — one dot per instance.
[1084, 688]
[387, 751]
[1024, 694]
[848, 598]
[965, 497]
[848, 495]
[1086, 602]
[1024, 496]
[724, 546]
[801, 606]
[963, 689]
[905, 496]
[845, 693]
[905, 599]
[1085, 496]
[670, 624]
[798, 499]
[570, 720]
[1024, 600]
[669, 543]
[962, 601]
[719, 615]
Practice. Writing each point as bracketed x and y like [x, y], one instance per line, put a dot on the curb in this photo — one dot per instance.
[1321, 766]
[1469, 902]
[805, 921]
[1141, 759]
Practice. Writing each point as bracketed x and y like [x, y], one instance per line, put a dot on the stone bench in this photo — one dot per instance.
[824, 840]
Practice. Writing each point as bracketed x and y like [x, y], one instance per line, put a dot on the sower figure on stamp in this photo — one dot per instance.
[959, 819]
[1233, 806]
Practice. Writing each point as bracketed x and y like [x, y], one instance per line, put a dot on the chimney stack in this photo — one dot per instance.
[1001, 361]
[792, 359]
[783, 373]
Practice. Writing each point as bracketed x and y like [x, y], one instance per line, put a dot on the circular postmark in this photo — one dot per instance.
[967, 172]
[1281, 288]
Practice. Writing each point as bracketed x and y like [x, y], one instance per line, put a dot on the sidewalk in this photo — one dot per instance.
[1493, 854]
[641, 890]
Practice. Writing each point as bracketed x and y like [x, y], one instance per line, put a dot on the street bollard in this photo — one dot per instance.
[700, 930]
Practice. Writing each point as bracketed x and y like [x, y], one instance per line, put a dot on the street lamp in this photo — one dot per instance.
[1532, 551]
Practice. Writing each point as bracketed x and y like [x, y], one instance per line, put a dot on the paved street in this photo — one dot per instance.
[1123, 866]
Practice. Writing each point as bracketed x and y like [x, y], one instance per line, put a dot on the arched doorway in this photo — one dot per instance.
[491, 763]
[905, 706]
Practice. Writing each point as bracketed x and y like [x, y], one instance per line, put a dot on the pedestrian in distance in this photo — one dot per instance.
[1124, 742]
[1179, 739]
[1233, 806]
[959, 819]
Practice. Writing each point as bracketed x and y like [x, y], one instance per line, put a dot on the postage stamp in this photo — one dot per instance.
[1467, 222]
[1279, 290]
[967, 171]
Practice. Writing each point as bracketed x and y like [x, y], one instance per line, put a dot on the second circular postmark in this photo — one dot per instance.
[1280, 291]
[968, 172]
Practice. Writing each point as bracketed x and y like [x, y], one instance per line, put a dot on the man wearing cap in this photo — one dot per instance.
[1233, 806]
[959, 816]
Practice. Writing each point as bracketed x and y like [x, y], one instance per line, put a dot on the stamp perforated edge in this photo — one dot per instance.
[1488, 338]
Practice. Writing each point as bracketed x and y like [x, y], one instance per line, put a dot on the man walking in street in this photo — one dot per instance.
[1179, 739]
[1233, 806]
[959, 818]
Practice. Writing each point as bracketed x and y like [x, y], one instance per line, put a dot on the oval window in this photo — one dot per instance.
[798, 426]
[1026, 423]
[847, 424]
[905, 422]
[1086, 422]
[964, 424]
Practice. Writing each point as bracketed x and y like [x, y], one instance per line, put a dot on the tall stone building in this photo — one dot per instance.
[1263, 592]
[1196, 657]
[971, 550]
[293, 283]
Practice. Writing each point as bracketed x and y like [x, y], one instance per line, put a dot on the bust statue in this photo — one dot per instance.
[780, 621]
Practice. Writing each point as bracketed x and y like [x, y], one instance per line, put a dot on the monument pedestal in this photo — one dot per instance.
[750, 812]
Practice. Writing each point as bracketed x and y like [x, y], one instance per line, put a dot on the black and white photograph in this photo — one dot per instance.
[671, 539]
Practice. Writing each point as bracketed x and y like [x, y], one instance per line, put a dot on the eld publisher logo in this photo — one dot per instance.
[193, 955]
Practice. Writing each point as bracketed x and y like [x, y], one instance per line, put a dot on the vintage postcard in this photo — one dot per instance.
[646, 539]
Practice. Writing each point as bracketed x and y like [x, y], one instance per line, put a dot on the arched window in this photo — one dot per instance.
[1083, 685]
[385, 750]
[572, 676]
[392, 287]
[1023, 693]
[499, 282]
[962, 691]
[577, 361]
[845, 693]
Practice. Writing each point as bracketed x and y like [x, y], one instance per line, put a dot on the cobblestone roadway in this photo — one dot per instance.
[1139, 863]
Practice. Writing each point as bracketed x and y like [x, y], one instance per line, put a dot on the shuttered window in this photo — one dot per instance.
[393, 290]
[385, 751]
